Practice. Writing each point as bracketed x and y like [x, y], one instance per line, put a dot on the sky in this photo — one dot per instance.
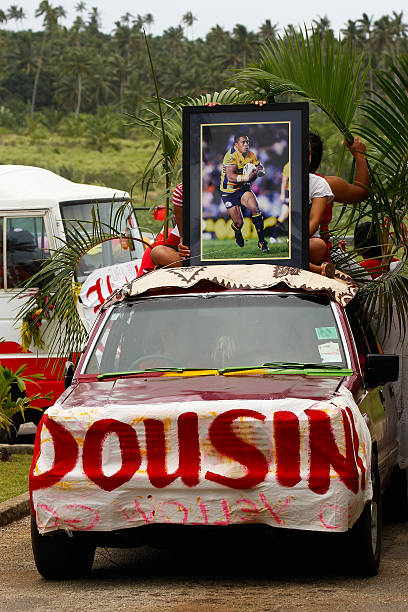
[212, 12]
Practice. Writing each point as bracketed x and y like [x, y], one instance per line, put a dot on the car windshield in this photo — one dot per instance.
[108, 253]
[217, 331]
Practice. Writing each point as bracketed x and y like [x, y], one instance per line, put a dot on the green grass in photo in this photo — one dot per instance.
[14, 476]
[228, 249]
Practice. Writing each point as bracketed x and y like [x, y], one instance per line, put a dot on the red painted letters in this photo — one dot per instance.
[227, 443]
[92, 453]
[189, 451]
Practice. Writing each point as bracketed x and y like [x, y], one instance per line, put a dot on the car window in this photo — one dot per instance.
[111, 252]
[27, 246]
[217, 331]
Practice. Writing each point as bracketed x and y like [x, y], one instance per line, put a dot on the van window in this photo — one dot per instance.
[26, 247]
[108, 253]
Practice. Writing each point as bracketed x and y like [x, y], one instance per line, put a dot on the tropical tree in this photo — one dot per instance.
[50, 22]
[3, 16]
[188, 19]
[352, 33]
[148, 20]
[268, 30]
[16, 13]
[78, 62]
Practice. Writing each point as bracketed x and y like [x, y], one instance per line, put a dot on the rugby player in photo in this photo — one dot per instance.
[239, 169]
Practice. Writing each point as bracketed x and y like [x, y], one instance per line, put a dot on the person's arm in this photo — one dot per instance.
[348, 193]
[316, 213]
[178, 213]
[234, 177]
[284, 187]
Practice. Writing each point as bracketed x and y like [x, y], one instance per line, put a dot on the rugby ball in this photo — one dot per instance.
[247, 170]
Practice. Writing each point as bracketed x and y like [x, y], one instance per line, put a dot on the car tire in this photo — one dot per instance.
[395, 498]
[363, 541]
[59, 556]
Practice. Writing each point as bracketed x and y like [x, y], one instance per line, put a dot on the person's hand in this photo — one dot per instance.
[282, 198]
[253, 174]
[259, 102]
[184, 251]
[211, 104]
[356, 147]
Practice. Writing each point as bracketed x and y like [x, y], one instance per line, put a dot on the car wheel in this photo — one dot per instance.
[363, 541]
[59, 556]
[395, 498]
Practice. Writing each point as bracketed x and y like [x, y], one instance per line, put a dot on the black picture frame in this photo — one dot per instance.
[209, 133]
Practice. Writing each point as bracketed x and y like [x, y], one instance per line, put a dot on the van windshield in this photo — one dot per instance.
[217, 331]
[108, 253]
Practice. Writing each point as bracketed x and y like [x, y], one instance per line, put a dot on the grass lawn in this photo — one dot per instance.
[228, 249]
[14, 476]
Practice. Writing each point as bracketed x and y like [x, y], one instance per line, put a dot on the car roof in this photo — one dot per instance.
[236, 277]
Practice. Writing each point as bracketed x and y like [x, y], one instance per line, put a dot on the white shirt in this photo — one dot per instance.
[319, 188]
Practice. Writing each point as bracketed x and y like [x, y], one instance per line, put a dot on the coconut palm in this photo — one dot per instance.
[268, 30]
[16, 13]
[79, 63]
[50, 21]
[148, 21]
[188, 19]
[3, 16]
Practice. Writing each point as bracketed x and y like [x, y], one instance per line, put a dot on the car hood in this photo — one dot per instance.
[129, 391]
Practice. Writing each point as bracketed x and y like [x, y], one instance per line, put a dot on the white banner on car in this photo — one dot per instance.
[100, 284]
[289, 463]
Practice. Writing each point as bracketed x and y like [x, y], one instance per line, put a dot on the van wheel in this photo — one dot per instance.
[363, 541]
[59, 556]
[395, 498]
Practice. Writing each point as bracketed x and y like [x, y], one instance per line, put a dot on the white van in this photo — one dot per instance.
[35, 205]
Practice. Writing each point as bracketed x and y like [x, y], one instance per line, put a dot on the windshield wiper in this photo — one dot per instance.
[286, 367]
[133, 372]
[152, 371]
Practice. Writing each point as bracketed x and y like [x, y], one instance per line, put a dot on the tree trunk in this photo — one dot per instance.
[37, 73]
[78, 106]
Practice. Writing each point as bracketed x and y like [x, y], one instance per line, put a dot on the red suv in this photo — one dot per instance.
[218, 396]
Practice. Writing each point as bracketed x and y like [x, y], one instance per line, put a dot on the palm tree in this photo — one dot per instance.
[352, 33]
[79, 62]
[322, 25]
[3, 16]
[50, 21]
[148, 20]
[94, 22]
[399, 29]
[188, 19]
[365, 30]
[268, 31]
[16, 13]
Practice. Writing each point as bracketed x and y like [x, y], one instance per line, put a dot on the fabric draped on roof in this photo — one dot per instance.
[256, 276]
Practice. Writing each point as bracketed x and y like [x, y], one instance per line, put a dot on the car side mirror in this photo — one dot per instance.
[68, 373]
[380, 369]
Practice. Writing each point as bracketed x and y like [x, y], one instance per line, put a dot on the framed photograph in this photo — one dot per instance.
[245, 184]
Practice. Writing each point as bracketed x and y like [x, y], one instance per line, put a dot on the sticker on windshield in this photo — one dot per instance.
[330, 352]
[326, 333]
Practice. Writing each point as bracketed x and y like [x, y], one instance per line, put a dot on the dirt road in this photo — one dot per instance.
[285, 572]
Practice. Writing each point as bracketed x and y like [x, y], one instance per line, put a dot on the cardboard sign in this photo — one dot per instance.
[288, 463]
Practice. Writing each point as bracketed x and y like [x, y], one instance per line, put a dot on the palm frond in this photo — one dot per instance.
[328, 73]
[65, 332]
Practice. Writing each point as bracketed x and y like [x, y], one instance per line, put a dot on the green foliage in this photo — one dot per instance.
[12, 390]
[330, 75]
[101, 129]
[66, 333]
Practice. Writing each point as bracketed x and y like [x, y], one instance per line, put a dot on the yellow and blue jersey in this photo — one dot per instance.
[234, 158]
